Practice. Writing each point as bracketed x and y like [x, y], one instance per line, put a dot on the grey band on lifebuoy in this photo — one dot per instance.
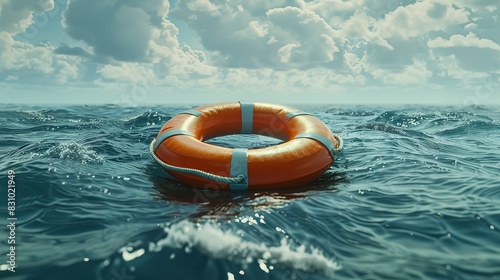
[246, 118]
[168, 134]
[320, 138]
[239, 166]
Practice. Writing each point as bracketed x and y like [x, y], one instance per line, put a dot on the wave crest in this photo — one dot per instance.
[211, 240]
[74, 151]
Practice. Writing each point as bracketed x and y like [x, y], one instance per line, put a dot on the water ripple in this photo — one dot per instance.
[414, 195]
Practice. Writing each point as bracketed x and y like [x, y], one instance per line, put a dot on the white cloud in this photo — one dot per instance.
[132, 72]
[12, 78]
[492, 8]
[16, 55]
[27, 61]
[449, 66]
[471, 54]
[458, 40]
[135, 40]
[360, 25]
[67, 68]
[288, 52]
[309, 34]
[202, 5]
[253, 36]
[254, 30]
[420, 18]
[252, 47]
[476, 5]
[415, 73]
[355, 63]
[403, 23]
[16, 15]
[470, 26]
[328, 9]
[258, 8]
[116, 29]
[269, 81]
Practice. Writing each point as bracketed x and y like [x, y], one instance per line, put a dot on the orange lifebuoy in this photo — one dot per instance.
[307, 150]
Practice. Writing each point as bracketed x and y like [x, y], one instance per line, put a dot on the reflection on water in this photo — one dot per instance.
[213, 203]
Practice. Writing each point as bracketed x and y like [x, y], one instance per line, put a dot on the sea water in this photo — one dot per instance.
[414, 195]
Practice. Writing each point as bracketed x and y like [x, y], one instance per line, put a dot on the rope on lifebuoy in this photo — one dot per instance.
[210, 176]
[341, 143]
[192, 171]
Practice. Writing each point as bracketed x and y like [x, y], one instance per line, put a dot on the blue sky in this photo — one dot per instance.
[134, 52]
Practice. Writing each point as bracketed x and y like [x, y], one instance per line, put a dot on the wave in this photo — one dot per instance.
[74, 151]
[384, 127]
[416, 187]
[473, 126]
[210, 239]
[148, 118]
[350, 113]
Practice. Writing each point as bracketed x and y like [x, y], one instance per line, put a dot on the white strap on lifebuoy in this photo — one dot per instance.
[324, 141]
[239, 167]
[246, 118]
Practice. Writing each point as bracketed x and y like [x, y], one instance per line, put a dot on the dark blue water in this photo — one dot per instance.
[415, 195]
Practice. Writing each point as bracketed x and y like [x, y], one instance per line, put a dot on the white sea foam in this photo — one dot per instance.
[211, 240]
[75, 151]
[128, 254]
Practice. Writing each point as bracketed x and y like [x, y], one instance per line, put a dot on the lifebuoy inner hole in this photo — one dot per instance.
[248, 141]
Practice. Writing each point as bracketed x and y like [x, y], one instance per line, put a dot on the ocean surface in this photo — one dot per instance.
[414, 195]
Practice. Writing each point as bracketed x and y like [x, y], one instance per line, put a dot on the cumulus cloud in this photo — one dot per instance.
[477, 5]
[31, 62]
[133, 38]
[361, 25]
[118, 29]
[244, 36]
[467, 54]
[270, 82]
[413, 20]
[255, 46]
[307, 33]
[470, 26]
[458, 40]
[416, 73]
[16, 55]
[16, 16]
[257, 8]
[327, 8]
[128, 72]
[449, 66]
[28, 62]
[354, 63]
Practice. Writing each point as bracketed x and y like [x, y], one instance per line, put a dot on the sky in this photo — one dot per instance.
[135, 52]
